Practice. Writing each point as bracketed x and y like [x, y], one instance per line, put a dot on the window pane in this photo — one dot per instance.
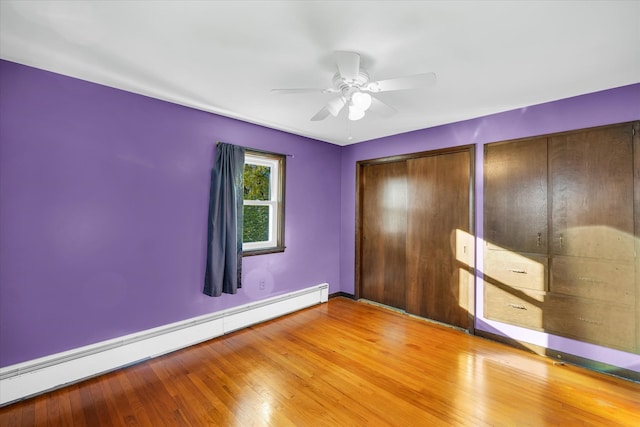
[256, 224]
[263, 195]
[256, 182]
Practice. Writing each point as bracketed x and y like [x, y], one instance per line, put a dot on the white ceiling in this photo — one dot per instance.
[226, 56]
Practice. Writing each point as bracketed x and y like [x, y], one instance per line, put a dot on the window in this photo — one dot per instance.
[263, 226]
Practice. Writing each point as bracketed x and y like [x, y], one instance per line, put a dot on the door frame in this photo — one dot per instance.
[361, 164]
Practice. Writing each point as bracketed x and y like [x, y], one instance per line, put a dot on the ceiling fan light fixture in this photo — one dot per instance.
[361, 100]
[354, 88]
[355, 113]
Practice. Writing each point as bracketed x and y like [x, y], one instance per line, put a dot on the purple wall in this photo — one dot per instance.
[103, 204]
[601, 108]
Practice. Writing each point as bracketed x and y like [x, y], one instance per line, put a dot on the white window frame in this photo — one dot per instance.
[274, 242]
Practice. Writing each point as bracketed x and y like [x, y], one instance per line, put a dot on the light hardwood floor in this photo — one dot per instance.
[343, 363]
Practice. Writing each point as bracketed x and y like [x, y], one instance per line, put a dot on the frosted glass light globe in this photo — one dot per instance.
[355, 113]
[361, 100]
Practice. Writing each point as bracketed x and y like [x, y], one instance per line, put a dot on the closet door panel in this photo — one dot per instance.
[384, 227]
[592, 188]
[515, 197]
[636, 185]
[437, 222]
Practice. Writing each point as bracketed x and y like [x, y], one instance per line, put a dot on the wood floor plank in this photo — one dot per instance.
[77, 410]
[340, 363]
[40, 408]
[153, 396]
[91, 407]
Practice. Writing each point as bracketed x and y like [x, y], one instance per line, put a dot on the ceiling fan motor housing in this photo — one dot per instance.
[344, 85]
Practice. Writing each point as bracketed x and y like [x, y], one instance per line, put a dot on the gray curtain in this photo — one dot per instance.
[224, 236]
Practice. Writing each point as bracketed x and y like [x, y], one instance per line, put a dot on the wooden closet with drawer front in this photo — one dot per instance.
[561, 231]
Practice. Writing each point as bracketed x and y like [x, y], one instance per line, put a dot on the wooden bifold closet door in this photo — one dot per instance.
[384, 230]
[415, 235]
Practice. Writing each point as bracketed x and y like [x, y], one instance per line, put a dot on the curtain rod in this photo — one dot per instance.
[262, 151]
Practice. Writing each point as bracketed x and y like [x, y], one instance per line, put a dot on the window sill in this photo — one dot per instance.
[263, 251]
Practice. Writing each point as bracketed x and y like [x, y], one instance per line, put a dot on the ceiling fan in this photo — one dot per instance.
[356, 90]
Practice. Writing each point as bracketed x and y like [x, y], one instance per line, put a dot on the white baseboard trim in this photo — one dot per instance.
[36, 376]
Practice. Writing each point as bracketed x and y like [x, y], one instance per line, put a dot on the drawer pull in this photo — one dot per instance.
[591, 321]
[518, 306]
[590, 280]
[515, 270]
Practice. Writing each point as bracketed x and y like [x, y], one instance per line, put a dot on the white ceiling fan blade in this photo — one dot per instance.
[299, 90]
[333, 107]
[321, 115]
[381, 108]
[416, 81]
[348, 64]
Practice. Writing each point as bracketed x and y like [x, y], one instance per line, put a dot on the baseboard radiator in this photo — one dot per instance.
[36, 376]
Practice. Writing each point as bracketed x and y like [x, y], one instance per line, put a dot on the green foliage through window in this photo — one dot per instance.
[256, 224]
[256, 182]
[256, 218]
